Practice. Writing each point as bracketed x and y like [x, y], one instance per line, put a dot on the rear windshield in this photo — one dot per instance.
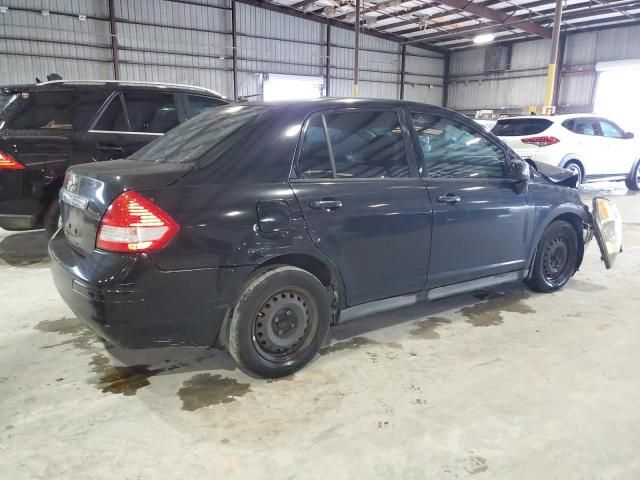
[518, 127]
[51, 110]
[6, 99]
[191, 140]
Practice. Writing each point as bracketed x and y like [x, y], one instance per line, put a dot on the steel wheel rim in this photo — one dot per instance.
[284, 325]
[555, 261]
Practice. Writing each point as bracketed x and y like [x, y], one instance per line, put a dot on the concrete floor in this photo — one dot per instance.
[502, 384]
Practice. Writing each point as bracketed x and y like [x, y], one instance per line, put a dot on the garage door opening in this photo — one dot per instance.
[615, 93]
[292, 87]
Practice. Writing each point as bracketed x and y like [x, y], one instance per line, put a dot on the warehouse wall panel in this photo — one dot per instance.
[183, 42]
[524, 84]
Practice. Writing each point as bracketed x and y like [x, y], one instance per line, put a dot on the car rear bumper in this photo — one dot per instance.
[130, 302]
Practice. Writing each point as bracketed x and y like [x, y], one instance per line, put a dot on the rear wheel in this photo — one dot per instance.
[52, 218]
[280, 322]
[633, 180]
[556, 257]
[575, 168]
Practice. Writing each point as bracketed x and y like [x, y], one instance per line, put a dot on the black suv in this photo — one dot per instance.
[259, 225]
[46, 127]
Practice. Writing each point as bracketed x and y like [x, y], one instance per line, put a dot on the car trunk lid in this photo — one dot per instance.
[89, 189]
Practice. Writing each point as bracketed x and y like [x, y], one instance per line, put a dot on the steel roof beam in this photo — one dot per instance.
[498, 16]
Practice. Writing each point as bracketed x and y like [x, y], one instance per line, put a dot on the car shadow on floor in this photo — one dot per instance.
[24, 248]
[168, 360]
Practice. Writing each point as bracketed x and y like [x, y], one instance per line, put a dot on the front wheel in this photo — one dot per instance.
[279, 322]
[556, 257]
[633, 180]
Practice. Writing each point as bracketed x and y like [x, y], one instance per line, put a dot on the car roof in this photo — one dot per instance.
[552, 118]
[325, 103]
[113, 84]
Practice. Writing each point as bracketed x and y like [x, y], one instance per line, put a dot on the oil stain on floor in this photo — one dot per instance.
[120, 379]
[204, 389]
[81, 336]
[426, 329]
[489, 311]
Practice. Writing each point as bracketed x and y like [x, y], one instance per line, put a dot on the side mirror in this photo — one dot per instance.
[519, 171]
[629, 135]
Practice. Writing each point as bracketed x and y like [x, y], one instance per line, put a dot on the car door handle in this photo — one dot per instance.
[449, 198]
[109, 148]
[326, 204]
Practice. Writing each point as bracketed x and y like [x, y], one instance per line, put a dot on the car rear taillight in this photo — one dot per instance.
[544, 141]
[7, 162]
[135, 224]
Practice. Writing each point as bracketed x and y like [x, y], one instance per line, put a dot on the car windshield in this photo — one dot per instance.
[191, 140]
[518, 127]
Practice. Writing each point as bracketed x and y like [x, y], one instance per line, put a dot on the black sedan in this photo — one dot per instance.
[257, 226]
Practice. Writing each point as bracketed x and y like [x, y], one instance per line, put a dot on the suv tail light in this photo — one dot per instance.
[541, 141]
[134, 224]
[7, 162]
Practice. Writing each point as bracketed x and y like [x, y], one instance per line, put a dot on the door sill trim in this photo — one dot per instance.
[393, 303]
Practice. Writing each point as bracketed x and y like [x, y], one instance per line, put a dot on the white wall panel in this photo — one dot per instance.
[172, 41]
[529, 60]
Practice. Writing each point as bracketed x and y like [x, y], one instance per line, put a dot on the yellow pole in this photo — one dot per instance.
[551, 82]
[555, 42]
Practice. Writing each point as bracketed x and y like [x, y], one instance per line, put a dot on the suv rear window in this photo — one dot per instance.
[55, 110]
[6, 99]
[518, 127]
[194, 138]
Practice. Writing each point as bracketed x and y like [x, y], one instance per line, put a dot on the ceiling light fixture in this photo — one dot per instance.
[484, 38]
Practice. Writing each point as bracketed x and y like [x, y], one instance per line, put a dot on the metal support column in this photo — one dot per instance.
[553, 61]
[403, 58]
[234, 43]
[445, 80]
[327, 67]
[560, 65]
[115, 54]
[356, 49]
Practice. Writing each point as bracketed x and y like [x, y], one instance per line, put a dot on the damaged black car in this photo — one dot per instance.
[256, 226]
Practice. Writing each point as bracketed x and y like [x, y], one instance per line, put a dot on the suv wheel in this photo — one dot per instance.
[279, 322]
[52, 218]
[556, 257]
[575, 168]
[633, 180]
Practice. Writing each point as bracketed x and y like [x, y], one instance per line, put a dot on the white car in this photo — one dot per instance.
[593, 147]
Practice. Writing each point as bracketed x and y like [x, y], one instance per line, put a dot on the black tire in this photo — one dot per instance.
[556, 257]
[633, 180]
[279, 322]
[51, 218]
[577, 168]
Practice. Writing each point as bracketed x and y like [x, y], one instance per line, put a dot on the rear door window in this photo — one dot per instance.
[583, 126]
[520, 127]
[151, 112]
[358, 144]
[55, 110]
[112, 118]
[199, 103]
